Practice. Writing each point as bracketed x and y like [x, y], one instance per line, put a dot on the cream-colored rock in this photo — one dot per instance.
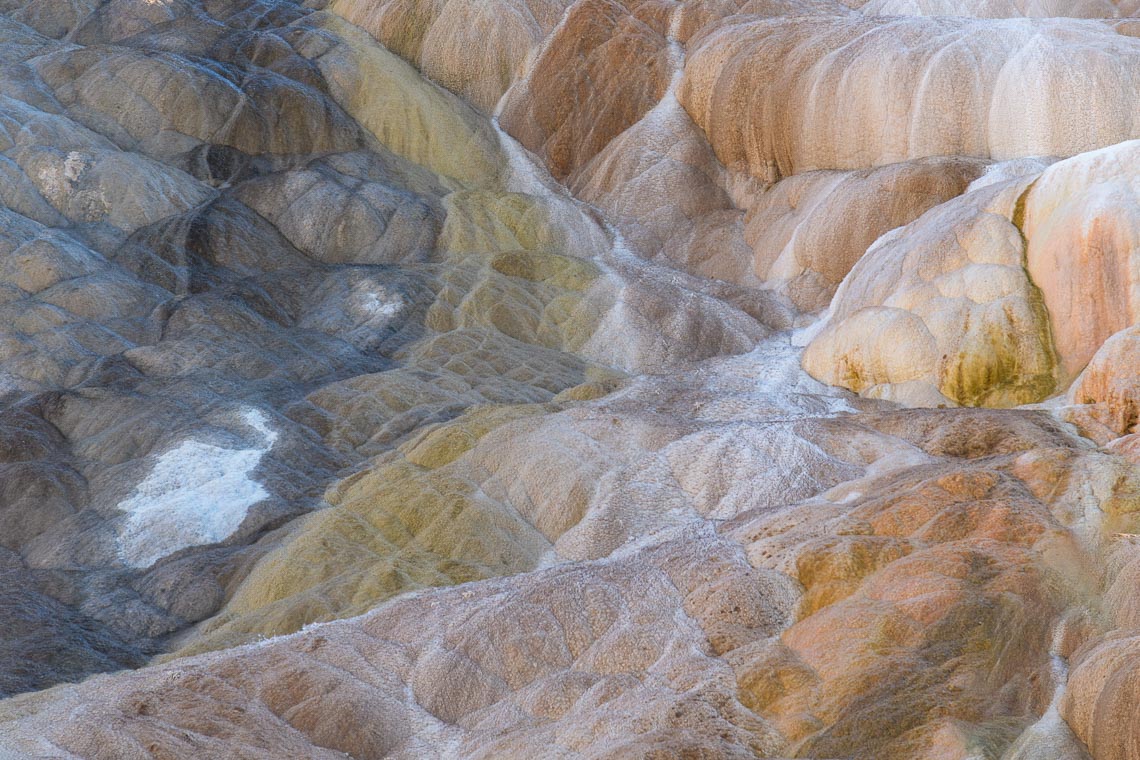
[942, 306]
[782, 96]
[475, 49]
[1001, 8]
[695, 16]
[534, 481]
[1081, 220]
[808, 231]
[352, 430]
[1111, 383]
[902, 572]
[662, 181]
[552, 663]
[1071, 230]
[1100, 701]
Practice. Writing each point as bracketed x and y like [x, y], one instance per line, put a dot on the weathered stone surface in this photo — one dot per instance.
[1106, 396]
[800, 247]
[1042, 268]
[942, 311]
[1080, 224]
[1001, 8]
[778, 97]
[426, 378]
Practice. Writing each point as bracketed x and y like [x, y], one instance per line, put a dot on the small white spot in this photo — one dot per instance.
[372, 304]
[375, 306]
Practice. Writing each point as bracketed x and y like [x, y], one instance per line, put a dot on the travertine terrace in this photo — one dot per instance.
[570, 379]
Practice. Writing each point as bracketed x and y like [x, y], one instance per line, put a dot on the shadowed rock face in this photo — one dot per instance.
[221, 288]
[569, 378]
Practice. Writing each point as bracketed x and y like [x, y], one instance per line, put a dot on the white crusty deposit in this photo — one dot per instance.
[197, 493]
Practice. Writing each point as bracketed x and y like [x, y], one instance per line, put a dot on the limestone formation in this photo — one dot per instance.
[1107, 394]
[1085, 206]
[779, 97]
[1001, 8]
[942, 311]
[569, 378]
[1043, 263]
[797, 246]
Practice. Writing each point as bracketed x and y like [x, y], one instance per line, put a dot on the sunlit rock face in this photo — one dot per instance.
[820, 93]
[569, 378]
[1002, 8]
[943, 311]
[999, 297]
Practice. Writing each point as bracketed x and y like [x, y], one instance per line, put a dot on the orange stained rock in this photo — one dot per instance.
[782, 96]
[1100, 701]
[927, 637]
[1080, 217]
[1111, 383]
[603, 68]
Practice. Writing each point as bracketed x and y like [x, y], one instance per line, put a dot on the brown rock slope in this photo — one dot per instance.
[916, 619]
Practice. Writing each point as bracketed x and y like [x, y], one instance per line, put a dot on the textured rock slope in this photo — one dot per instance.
[569, 378]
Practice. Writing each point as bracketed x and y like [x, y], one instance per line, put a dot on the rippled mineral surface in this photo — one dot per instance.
[570, 379]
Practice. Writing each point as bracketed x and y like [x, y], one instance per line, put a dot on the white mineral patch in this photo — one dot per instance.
[375, 306]
[197, 493]
[56, 178]
[372, 301]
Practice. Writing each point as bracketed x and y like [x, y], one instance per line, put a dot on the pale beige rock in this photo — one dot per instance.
[1100, 701]
[1070, 229]
[475, 49]
[1081, 223]
[292, 332]
[661, 178]
[808, 231]
[571, 657]
[1001, 8]
[1111, 383]
[943, 306]
[695, 16]
[783, 96]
